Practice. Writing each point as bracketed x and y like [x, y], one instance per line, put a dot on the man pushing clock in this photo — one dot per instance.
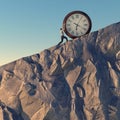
[62, 36]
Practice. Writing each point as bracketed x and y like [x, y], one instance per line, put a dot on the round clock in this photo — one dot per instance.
[76, 24]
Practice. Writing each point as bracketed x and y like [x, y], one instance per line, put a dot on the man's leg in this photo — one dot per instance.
[61, 40]
[66, 38]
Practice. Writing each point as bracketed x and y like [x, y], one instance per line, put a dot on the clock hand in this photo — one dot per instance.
[76, 25]
[80, 20]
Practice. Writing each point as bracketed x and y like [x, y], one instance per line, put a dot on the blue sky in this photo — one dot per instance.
[29, 26]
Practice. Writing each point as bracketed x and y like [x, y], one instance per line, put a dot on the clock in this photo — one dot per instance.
[76, 24]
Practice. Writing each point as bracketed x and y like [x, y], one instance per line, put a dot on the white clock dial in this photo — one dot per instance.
[76, 24]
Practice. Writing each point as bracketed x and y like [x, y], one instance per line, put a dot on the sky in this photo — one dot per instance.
[28, 27]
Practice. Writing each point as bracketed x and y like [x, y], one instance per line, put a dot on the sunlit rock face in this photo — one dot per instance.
[78, 80]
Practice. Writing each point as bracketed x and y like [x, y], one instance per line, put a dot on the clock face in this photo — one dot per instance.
[76, 24]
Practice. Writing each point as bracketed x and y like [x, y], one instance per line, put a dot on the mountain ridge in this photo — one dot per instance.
[55, 45]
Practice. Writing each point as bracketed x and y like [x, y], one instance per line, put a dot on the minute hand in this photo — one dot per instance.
[79, 20]
[78, 23]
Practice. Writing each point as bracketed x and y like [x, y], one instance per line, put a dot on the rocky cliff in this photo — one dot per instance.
[78, 80]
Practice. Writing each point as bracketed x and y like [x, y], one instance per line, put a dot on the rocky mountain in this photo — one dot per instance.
[78, 80]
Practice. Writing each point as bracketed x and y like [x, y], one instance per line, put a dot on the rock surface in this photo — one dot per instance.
[78, 80]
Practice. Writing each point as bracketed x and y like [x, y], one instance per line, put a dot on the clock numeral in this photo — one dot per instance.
[68, 24]
[69, 20]
[77, 34]
[69, 29]
[72, 32]
[84, 20]
[72, 17]
[85, 24]
[77, 16]
[84, 29]
[81, 33]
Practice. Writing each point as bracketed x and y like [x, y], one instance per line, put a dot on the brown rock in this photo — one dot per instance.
[79, 80]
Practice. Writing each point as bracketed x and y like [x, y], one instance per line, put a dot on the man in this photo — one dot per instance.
[62, 36]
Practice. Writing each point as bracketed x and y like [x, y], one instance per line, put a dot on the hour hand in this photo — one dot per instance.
[76, 25]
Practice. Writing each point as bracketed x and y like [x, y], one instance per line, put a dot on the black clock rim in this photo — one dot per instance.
[73, 12]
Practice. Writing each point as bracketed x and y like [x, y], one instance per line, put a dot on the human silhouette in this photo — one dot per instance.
[62, 36]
